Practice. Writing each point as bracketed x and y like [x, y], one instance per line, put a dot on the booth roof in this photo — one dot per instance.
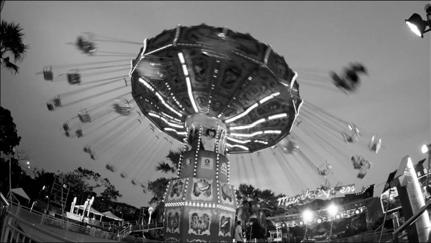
[109, 214]
[92, 210]
[20, 192]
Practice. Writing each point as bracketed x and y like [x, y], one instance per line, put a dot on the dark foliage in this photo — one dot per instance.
[8, 134]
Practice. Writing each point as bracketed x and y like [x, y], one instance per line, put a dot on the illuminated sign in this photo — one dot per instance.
[319, 193]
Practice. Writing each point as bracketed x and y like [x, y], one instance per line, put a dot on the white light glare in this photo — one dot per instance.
[188, 83]
[269, 97]
[272, 132]
[168, 129]
[277, 116]
[238, 146]
[252, 107]
[332, 210]
[307, 215]
[181, 57]
[248, 125]
[190, 93]
[414, 29]
[237, 140]
[247, 135]
[424, 149]
[166, 121]
[242, 114]
[160, 97]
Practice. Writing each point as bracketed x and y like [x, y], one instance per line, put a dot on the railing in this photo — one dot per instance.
[124, 232]
[138, 228]
[11, 233]
[16, 217]
[410, 221]
[366, 237]
[146, 228]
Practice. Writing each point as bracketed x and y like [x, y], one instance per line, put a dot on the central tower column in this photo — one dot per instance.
[200, 205]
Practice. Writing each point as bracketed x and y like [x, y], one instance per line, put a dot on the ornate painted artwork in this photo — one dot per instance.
[225, 223]
[199, 222]
[227, 193]
[173, 220]
[177, 189]
[202, 189]
[189, 161]
[223, 168]
[207, 163]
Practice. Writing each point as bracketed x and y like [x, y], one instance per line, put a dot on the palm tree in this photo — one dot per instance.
[254, 206]
[11, 44]
[169, 166]
[158, 186]
[1, 4]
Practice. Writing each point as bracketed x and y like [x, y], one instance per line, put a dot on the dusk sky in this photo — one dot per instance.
[392, 102]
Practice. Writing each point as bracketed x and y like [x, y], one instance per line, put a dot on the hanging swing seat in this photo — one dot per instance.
[54, 103]
[375, 144]
[86, 46]
[73, 78]
[48, 75]
[79, 133]
[84, 116]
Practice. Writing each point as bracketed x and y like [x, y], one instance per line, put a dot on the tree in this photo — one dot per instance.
[11, 44]
[254, 206]
[1, 4]
[158, 186]
[8, 134]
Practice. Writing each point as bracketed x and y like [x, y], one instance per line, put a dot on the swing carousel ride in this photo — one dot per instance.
[219, 96]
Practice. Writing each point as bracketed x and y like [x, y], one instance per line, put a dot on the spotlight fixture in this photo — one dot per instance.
[307, 216]
[426, 148]
[419, 26]
[332, 210]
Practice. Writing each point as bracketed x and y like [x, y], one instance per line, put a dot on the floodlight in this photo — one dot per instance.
[419, 26]
[426, 148]
[416, 24]
[332, 210]
[307, 215]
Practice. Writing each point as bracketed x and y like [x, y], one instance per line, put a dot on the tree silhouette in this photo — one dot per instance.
[11, 45]
[254, 206]
[8, 134]
[158, 186]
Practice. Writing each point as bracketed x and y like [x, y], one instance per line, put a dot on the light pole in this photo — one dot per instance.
[332, 211]
[10, 178]
[426, 148]
[150, 211]
[307, 217]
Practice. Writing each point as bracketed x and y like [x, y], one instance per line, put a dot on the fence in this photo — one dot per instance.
[14, 218]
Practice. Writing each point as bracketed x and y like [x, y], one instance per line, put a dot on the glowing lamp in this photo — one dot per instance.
[307, 216]
[332, 210]
[416, 24]
[426, 148]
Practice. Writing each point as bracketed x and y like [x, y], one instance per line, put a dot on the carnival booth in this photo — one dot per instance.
[110, 217]
[324, 213]
[83, 212]
[19, 195]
